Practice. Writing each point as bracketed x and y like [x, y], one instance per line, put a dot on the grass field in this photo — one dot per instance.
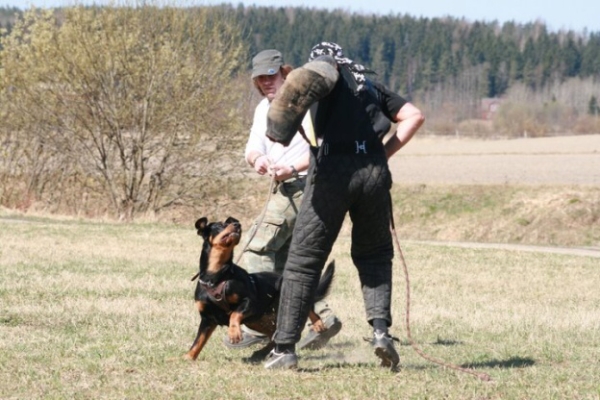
[92, 310]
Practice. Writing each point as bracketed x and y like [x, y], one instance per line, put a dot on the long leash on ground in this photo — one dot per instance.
[481, 375]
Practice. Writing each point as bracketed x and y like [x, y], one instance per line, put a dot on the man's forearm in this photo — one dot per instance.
[252, 156]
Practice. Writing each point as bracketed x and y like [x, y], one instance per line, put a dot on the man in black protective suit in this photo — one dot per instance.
[348, 173]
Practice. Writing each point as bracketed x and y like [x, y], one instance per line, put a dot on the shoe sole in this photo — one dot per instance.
[387, 360]
[321, 339]
[245, 343]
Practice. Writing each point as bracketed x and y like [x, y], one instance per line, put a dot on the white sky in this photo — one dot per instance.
[574, 15]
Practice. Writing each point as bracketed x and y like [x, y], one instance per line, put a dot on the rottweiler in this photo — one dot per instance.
[227, 295]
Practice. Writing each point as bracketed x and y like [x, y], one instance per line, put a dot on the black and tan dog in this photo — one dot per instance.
[228, 295]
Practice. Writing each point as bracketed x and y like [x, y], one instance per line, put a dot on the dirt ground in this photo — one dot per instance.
[560, 160]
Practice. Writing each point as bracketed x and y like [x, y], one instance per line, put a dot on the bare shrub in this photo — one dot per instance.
[137, 106]
[441, 126]
[587, 124]
[517, 119]
[534, 119]
[476, 128]
[557, 108]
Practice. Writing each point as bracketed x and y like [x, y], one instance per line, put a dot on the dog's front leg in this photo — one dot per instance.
[204, 331]
[235, 327]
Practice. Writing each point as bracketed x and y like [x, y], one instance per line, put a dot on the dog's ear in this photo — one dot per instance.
[201, 225]
[230, 220]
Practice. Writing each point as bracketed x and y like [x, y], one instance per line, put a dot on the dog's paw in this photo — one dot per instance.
[318, 326]
[235, 334]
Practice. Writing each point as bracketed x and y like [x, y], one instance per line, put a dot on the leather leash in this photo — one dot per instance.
[259, 221]
[481, 375]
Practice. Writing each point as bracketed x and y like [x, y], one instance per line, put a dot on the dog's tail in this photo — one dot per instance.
[325, 282]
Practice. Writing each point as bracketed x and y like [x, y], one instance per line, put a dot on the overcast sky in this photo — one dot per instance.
[574, 15]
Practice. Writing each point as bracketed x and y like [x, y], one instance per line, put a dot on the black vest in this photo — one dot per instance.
[348, 118]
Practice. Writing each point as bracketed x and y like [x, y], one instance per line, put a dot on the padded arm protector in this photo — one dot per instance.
[303, 87]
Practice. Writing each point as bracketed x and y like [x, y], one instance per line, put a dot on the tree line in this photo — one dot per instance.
[549, 81]
[414, 54]
[133, 110]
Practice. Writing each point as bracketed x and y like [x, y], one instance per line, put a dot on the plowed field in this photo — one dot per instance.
[563, 160]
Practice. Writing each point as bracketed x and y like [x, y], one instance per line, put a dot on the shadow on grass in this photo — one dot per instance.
[341, 345]
[513, 362]
[438, 342]
[344, 365]
[447, 342]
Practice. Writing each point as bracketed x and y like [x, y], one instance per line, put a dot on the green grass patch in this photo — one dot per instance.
[102, 310]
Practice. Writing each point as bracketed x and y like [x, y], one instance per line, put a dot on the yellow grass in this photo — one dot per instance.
[102, 310]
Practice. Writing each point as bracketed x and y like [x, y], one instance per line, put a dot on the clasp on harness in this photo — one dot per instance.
[361, 147]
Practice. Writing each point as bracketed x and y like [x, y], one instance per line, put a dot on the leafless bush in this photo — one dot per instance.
[475, 128]
[137, 106]
[587, 124]
[558, 108]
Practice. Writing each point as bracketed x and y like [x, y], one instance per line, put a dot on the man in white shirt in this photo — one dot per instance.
[268, 249]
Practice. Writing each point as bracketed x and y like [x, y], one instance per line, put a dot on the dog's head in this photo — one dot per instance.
[219, 240]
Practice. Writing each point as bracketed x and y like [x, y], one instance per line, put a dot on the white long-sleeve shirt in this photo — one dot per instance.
[279, 154]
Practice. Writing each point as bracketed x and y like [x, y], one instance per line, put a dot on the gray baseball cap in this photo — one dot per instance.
[267, 62]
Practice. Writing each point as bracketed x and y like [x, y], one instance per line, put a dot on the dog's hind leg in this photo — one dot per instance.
[317, 323]
[204, 331]
[322, 291]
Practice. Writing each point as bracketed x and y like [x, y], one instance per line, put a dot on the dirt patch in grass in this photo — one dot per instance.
[564, 160]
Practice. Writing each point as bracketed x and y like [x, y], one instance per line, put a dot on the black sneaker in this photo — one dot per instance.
[315, 341]
[384, 349]
[285, 360]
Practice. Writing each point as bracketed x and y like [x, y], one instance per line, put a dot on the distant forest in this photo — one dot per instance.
[445, 64]
[411, 54]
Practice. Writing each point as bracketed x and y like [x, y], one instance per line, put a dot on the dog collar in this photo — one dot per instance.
[220, 277]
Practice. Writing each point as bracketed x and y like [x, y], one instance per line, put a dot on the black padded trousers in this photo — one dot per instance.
[358, 185]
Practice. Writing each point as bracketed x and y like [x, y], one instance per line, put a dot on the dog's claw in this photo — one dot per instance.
[235, 335]
[319, 327]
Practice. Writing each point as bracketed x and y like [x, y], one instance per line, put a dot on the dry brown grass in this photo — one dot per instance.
[105, 310]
